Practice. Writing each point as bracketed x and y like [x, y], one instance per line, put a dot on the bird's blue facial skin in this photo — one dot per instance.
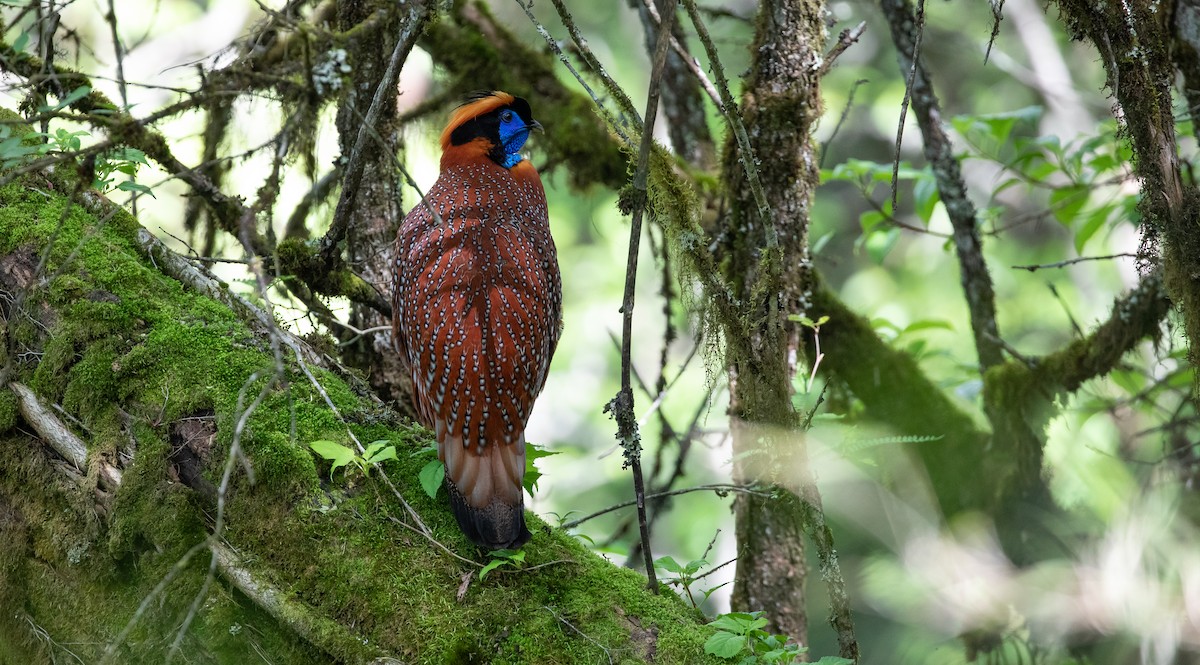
[513, 134]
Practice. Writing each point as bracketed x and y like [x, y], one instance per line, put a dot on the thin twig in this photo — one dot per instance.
[433, 540]
[688, 59]
[615, 89]
[1066, 310]
[734, 117]
[621, 406]
[841, 121]
[592, 61]
[845, 40]
[710, 571]
[582, 634]
[1028, 361]
[332, 407]
[715, 487]
[908, 88]
[939, 152]
[1078, 259]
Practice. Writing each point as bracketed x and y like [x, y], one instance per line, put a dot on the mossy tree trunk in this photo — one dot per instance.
[376, 213]
[767, 259]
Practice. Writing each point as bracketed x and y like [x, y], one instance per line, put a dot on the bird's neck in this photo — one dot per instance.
[476, 152]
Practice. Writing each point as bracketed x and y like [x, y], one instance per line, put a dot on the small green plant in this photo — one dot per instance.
[741, 634]
[432, 473]
[122, 160]
[340, 455]
[15, 149]
[684, 576]
[513, 558]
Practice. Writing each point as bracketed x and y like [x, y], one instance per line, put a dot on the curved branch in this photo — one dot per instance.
[976, 282]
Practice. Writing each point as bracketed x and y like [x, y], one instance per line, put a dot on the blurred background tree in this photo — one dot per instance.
[927, 295]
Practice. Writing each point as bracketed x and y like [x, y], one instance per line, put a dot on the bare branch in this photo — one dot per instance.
[718, 488]
[1078, 259]
[848, 38]
[976, 283]
[621, 406]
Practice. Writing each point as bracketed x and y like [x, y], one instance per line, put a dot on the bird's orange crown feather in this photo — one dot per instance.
[483, 103]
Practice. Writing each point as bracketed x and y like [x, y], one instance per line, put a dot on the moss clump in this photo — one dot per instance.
[129, 353]
[8, 410]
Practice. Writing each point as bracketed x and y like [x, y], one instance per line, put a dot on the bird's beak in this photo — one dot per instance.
[534, 124]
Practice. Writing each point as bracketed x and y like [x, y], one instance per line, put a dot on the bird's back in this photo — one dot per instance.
[478, 305]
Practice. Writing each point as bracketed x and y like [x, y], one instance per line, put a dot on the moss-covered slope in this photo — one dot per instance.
[134, 357]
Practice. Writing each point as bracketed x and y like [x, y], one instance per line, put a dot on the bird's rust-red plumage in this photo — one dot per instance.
[478, 305]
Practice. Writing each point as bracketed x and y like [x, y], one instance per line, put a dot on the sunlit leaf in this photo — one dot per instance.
[1066, 202]
[1094, 223]
[925, 197]
[131, 186]
[431, 476]
[725, 645]
[381, 455]
[335, 452]
[668, 564]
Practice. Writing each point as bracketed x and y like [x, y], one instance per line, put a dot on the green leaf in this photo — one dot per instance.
[532, 474]
[335, 452]
[513, 555]
[725, 645]
[1094, 223]
[927, 324]
[709, 592]
[926, 197]
[1129, 381]
[71, 97]
[431, 476]
[374, 447]
[126, 154]
[870, 219]
[383, 454]
[668, 564]
[880, 244]
[996, 127]
[131, 186]
[820, 243]
[834, 660]
[21, 41]
[492, 565]
[694, 566]
[533, 452]
[1066, 202]
[734, 622]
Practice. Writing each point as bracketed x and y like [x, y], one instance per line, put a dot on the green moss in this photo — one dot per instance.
[128, 340]
[8, 410]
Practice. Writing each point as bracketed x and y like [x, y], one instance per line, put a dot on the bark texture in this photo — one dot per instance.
[769, 265]
[377, 212]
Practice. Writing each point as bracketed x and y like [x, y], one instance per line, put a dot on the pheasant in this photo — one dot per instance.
[477, 307]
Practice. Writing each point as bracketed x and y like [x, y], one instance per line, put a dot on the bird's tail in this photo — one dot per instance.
[485, 491]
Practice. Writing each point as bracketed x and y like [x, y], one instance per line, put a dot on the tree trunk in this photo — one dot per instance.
[376, 215]
[770, 265]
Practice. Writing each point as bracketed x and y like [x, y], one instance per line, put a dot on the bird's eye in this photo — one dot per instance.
[506, 116]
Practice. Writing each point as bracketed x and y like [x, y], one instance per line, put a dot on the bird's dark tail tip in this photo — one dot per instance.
[497, 526]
